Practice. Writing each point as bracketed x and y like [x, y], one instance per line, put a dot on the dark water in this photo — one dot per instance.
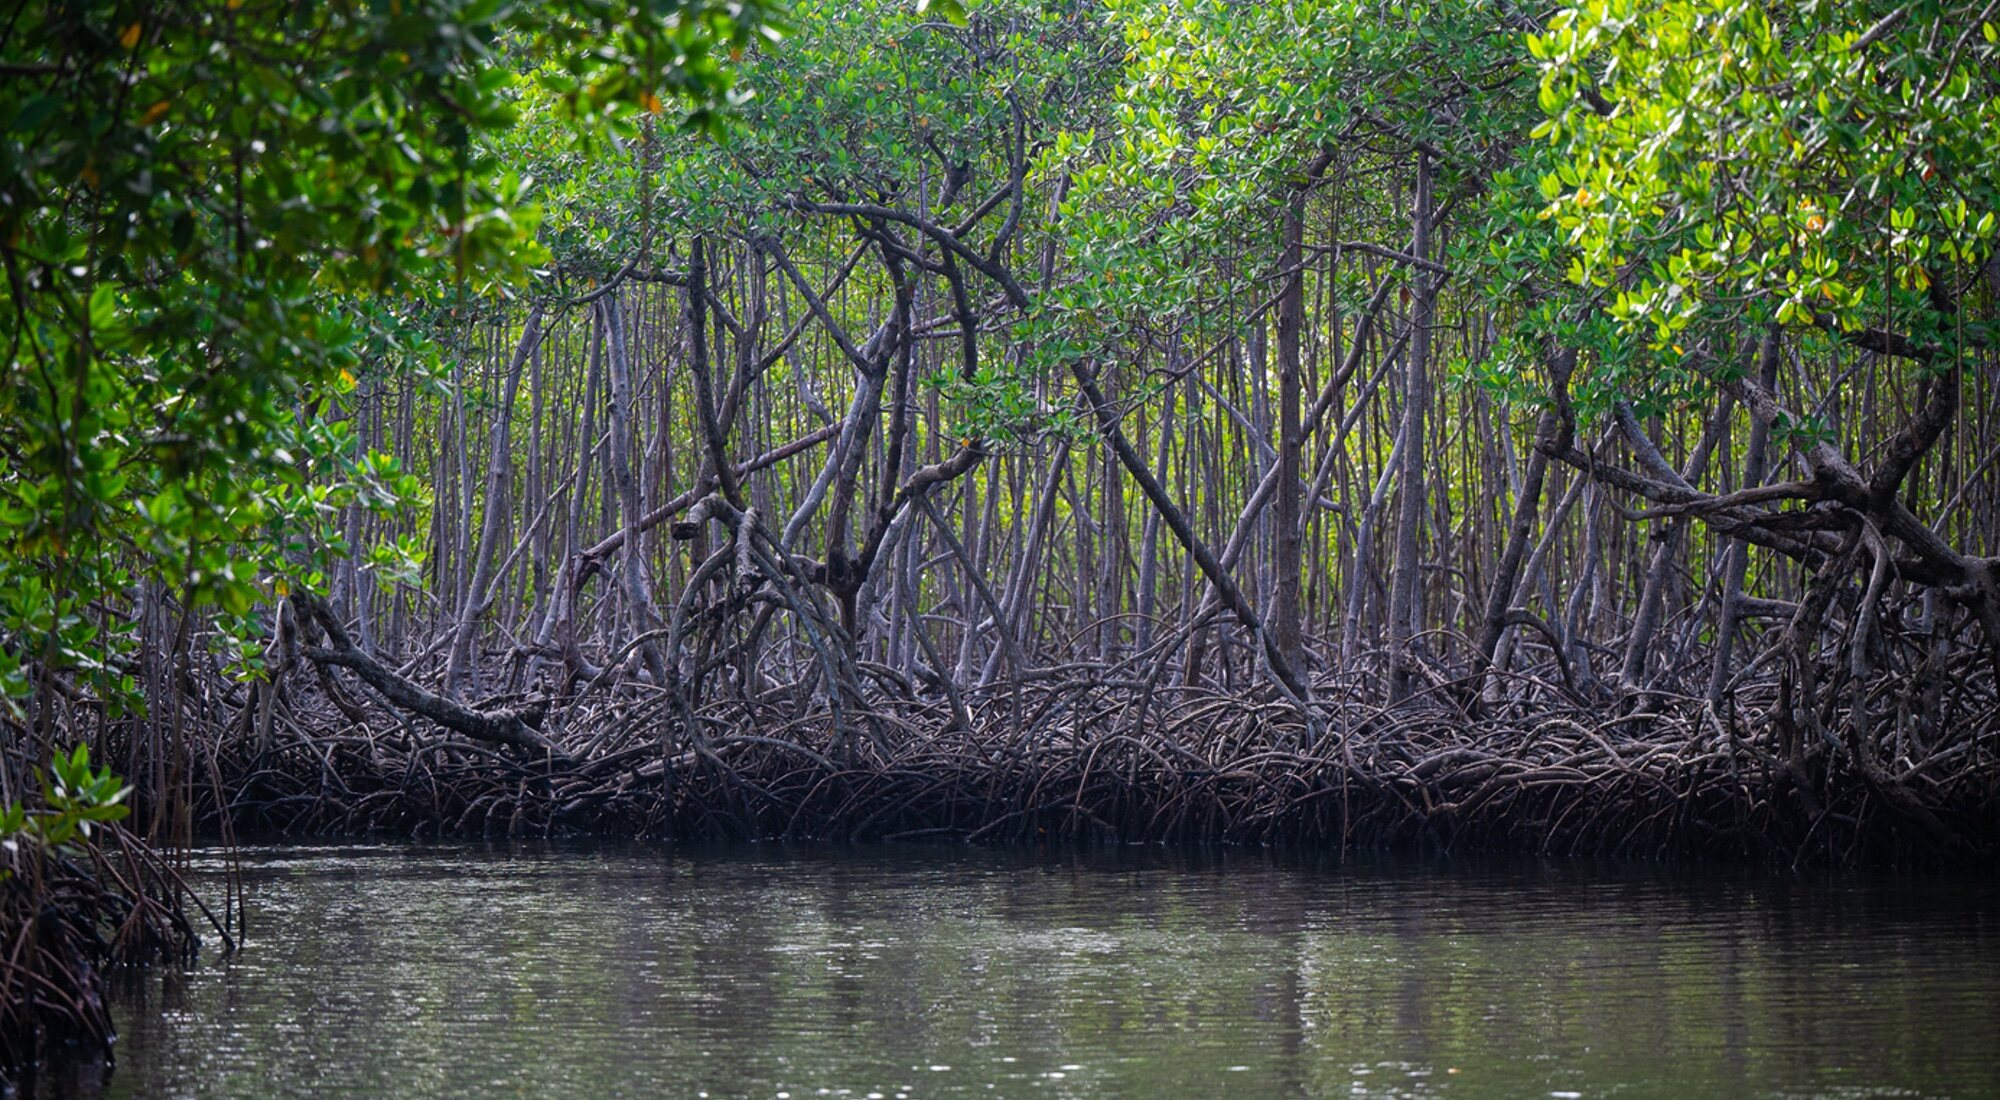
[759, 972]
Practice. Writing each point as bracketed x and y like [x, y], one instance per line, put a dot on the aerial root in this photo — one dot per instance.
[1088, 759]
[67, 915]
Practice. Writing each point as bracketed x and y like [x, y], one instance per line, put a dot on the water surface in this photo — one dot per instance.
[393, 971]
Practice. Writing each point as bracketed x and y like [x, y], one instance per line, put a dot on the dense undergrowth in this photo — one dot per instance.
[1108, 755]
[80, 896]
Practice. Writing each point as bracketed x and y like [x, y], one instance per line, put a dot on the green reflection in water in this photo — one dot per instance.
[447, 972]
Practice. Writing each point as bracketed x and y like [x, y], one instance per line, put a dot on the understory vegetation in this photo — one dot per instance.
[1332, 422]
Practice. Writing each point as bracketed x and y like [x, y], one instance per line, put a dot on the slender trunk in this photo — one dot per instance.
[1500, 597]
[1736, 559]
[461, 667]
[639, 603]
[1666, 551]
[1149, 548]
[1404, 606]
[1285, 624]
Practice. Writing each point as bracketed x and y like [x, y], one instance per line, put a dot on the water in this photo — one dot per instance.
[781, 973]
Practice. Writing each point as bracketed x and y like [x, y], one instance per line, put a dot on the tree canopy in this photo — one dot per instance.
[212, 215]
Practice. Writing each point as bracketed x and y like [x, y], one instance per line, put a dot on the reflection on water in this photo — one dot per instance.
[762, 972]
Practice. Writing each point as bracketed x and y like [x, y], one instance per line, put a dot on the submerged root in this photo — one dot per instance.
[69, 914]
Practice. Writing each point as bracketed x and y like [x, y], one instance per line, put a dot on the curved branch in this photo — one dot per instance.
[501, 727]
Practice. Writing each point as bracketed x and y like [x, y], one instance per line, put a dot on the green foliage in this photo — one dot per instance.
[1176, 201]
[206, 209]
[75, 798]
[1716, 166]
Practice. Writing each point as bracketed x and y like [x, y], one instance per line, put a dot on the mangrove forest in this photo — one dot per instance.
[1329, 427]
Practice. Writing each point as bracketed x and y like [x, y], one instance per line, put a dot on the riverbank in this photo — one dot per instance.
[1077, 758]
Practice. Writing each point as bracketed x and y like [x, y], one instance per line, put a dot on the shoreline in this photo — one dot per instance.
[1082, 767]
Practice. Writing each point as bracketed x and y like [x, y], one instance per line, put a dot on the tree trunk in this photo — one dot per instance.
[461, 666]
[618, 368]
[1285, 625]
[1500, 596]
[1404, 606]
[1736, 559]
